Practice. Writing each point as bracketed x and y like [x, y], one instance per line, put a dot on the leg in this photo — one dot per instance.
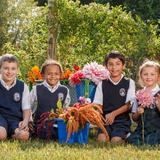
[119, 133]
[101, 137]
[118, 140]
[16, 133]
[3, 128]
[21, 135]
[3, 133]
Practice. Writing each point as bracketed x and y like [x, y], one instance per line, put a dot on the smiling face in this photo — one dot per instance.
[149, 76]
[52, 74]
[115, 67]
[9, 72]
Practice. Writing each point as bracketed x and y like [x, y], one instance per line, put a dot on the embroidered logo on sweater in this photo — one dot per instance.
[16, 97]
[61, 96]
[122, 92]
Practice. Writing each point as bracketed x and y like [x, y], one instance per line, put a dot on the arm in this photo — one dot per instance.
[67, 100]
[33, 99]
[26, 115]
[158, 102]
[111, 116]
[136, 115]
[131, 96]
[26, 109]
[122, 109]
[23, 125]
[126, 107]
[98, 98]
[136, 110]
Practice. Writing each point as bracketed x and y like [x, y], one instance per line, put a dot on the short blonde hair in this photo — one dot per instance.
[148, 63]
[8, 58]
[50, 62]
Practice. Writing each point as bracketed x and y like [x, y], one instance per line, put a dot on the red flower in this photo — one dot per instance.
[76, 77]
[76, 67]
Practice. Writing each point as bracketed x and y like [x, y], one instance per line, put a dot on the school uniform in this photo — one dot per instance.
[13, 100]
[151, 119]
[112, 96]
[46, 98]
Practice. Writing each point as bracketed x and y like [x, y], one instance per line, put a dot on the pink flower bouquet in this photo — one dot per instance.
[92, 71]
[145, 98]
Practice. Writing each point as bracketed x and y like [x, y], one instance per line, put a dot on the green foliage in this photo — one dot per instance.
[87, 33]
[3, 22]
[148, 10]
[28, 35]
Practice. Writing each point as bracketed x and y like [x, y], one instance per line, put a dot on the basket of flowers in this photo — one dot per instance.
[86, 80]
[73, 123]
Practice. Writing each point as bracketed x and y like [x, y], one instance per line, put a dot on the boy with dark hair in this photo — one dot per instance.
[114, 94]
[14, 101]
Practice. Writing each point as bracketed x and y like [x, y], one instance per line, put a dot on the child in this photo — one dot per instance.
[148, 129]
[113, 94]
[48, 93]
[14, 101]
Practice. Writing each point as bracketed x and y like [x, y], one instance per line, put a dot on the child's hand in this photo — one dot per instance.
[140, 110]
[158, 101]
[23, 125]
[110, 118]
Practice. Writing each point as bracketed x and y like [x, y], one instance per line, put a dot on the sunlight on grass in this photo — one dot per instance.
[40, 150]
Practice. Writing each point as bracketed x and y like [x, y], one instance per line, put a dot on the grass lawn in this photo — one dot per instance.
[41, 150]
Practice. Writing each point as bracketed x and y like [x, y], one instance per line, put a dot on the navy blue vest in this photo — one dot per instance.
[47, 100]
[11, 101]
[114, 96]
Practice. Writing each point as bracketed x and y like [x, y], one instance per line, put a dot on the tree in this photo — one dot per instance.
[27, 34]
[148, 10]
[53, 28]
[93, 30]
[3, 23]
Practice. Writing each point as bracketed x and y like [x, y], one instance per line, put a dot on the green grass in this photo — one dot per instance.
[42, 150]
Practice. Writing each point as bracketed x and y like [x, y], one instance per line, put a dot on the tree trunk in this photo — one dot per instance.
[53, 29]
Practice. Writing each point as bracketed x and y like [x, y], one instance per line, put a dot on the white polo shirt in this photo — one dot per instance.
[33, 95]
[98, 98]
[25, 95]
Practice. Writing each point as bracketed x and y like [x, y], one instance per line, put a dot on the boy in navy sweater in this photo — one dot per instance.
[113, 94]
[14, 101]
[49, 91]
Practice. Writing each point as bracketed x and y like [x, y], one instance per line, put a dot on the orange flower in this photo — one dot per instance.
[34, 74]
[67, 74]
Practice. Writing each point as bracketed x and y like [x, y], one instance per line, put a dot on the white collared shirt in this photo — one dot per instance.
[98, 98]
[25, 94]
[33, 95]
[115, 83]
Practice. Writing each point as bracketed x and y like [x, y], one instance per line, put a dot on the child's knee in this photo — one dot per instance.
[117, 140]
[3, 133]
[101, 137]
[21, 135]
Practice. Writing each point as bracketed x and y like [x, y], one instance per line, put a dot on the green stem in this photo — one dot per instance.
[86, 89]
[30, 86]
[142, 119]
